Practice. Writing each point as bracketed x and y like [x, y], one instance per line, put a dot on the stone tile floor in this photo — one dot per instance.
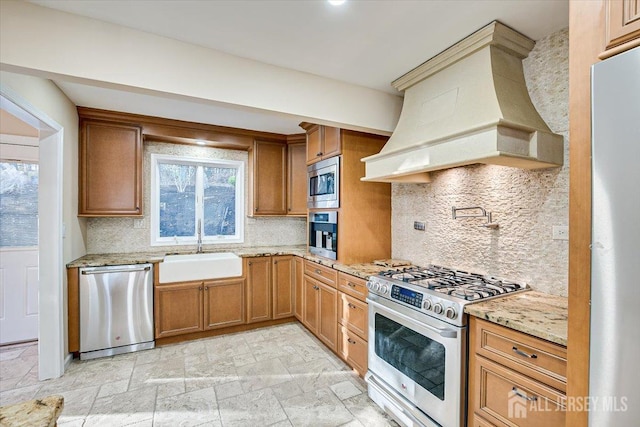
[275, 376]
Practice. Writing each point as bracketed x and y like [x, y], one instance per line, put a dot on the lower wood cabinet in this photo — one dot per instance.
[320, 311]
[353, 319]
[299, 275]
[514, 379]
[178, 309]
[282, 284]
[224, 303]
[353, 350]
[258, 273]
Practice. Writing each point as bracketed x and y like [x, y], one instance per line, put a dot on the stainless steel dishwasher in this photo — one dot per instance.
[116, 310]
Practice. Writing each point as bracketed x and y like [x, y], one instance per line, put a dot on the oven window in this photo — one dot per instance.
[418, 357]
[323, 184]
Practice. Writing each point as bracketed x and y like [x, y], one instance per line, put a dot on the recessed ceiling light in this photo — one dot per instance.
[336, 2]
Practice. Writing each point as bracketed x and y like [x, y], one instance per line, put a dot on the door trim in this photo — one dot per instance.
[51, 348]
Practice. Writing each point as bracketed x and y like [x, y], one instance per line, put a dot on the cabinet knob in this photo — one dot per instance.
[256, 209]
[200, 288]
[275, 262]
[315, 287]
[351, 285]
[319, 154]
[137, 208]
[206, 288]
[351, 341]
[351, 305]
[250, 263]
[318, 271]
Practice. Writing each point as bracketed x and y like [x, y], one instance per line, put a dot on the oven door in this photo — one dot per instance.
[323, 184]
[421, 359]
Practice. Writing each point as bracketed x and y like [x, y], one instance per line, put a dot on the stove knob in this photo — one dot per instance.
[384, 289]
[437, 308]
[427, 304]
[376, 287]
[370, 284]
[450, 312]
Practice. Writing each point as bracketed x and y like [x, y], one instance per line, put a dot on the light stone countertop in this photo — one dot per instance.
[363, 270]
[534, 313]
[33, 413]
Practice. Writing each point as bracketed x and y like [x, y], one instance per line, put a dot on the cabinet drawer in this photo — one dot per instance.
[353, 286]
[539, 359]
[353, 314]
[353, 350]
[322, 273]
[507, 398]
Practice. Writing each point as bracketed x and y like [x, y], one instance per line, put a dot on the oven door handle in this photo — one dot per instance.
[444, 332]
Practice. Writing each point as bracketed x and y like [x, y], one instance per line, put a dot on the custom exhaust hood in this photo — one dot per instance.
[467, 105]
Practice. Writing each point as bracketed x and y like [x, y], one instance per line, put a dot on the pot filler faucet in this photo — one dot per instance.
[199, 250]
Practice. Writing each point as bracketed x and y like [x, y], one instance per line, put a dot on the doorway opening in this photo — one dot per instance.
[47, 302]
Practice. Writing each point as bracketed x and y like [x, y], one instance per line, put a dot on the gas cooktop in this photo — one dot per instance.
[439, 291]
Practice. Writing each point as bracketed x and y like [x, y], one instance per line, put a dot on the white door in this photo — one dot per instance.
[18, 251]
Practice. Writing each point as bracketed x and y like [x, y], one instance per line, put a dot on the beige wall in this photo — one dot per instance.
[113, 235]
[526, 204]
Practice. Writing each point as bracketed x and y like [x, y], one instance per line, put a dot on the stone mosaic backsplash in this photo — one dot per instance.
[525, 204]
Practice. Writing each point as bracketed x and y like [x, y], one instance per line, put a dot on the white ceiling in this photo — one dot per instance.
[368, 43]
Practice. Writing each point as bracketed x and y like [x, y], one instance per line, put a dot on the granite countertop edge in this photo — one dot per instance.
[534, 313]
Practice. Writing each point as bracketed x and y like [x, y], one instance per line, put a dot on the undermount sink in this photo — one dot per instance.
[182, 268]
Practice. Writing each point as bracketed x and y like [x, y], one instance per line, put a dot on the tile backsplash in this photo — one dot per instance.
[118, 235]
[525, 204]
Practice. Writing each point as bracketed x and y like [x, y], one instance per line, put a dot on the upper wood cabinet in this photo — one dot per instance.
[622, 26]
[322, 142]
[110, 168]
[297, 179]
[283, 282]
[278, 178]
[268, 178]
[258, 273]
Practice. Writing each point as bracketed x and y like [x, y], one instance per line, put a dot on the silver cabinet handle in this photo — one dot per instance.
[116, 271]
[524, 396]
[522, 353]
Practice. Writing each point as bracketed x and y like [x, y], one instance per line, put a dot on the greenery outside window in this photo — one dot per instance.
[188, 192]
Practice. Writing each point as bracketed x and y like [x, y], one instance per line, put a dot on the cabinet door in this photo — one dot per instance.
[331, 142]
[311, 297]
[314, 144]
[328, 316]
[622, 23]
[269, 169]
[258, 289]
[110, 169]
[353, 314]
[178, 309]
[299, 294]
[297, 177]
[353, 350]
[223, 303]
[282, 282]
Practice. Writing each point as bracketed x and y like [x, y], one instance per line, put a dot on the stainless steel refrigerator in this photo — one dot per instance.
[614, 374]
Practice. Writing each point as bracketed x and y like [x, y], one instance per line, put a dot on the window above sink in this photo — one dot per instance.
[186, 191]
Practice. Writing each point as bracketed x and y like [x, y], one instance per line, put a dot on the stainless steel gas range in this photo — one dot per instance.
[418, 341]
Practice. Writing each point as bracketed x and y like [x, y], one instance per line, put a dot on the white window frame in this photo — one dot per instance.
[157, 159]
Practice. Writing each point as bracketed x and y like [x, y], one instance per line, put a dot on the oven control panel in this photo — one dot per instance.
[407, 296]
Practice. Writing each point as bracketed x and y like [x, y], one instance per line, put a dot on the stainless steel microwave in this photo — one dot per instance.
[323, 184]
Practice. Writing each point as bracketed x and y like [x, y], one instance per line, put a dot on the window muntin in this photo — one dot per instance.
[188, 190]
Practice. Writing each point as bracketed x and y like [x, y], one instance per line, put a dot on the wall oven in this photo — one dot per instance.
[417, 365]
[323, 234]
[323, 184]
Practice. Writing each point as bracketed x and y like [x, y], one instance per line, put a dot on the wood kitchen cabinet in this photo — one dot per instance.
[320, 299]
[353, 319]
[283, 286]
[258, 274]
[268, 178]
[297, 179]
[622, 26]
[184, 308]
[299, 294]
[110, 169]
[224, 303]
[322, 142]
[178, 309]
[514, 379]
